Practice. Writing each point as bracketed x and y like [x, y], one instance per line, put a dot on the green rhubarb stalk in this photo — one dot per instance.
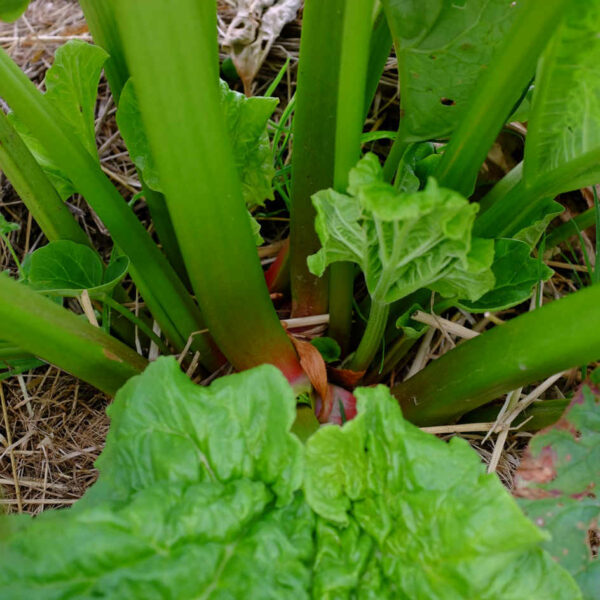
[136, 321]
[380, 47]
[34, 188]
[511, 212]
[313, 158]
[499, 90]
[571, 228]
[372, 337]
[39, 326]
[392, 162]
[181, 108]
[10, 352]
[165, 295]
[535, 345]
[352, 85]
[40, 197]
[100, 17]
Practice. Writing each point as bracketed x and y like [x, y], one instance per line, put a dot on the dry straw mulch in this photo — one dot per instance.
[52, 426]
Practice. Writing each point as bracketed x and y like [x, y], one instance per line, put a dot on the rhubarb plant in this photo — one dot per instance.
[204, 158]
[205, 492]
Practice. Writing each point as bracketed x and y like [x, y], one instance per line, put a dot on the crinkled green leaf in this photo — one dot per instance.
[11, 10]
[172, 540]
[401, 241]
[204, 493]
[474, 280]
[7, 226]
[443, 46]
[516, 272]
[167, 429]
[564, 124]
[405, 515]
[72, 89]
[64, 268]
[246, 120]
[558, 483]
[255, 225]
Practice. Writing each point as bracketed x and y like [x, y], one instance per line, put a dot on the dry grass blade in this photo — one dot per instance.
[13, 464]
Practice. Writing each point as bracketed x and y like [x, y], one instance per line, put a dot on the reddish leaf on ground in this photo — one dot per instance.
[558, 486]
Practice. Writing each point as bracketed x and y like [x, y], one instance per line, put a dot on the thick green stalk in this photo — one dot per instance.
[352, 84]
[39, 196]
[165, 295]
[34, 188]
[100, 17]
[372, 337]
[10, 352]
[136, 321]
[181, 107]
[161, 219]
[510, 213]
[535, 417]
[501, 188]
[380, 47]
[535, 345]
[39, 326]
[571, 228]
[313, 157]
[500, 88]
[394, 157]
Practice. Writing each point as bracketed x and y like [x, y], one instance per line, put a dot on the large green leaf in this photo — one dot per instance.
[558, 481]
[402, 241]
[204, 493]
[516, 272]
[443, 46]
[64, 268]
[195, 499]
[564, 125]
[405, 515]
[11, 10]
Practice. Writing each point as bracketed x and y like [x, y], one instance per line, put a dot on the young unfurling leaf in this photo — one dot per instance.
[402, 241]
